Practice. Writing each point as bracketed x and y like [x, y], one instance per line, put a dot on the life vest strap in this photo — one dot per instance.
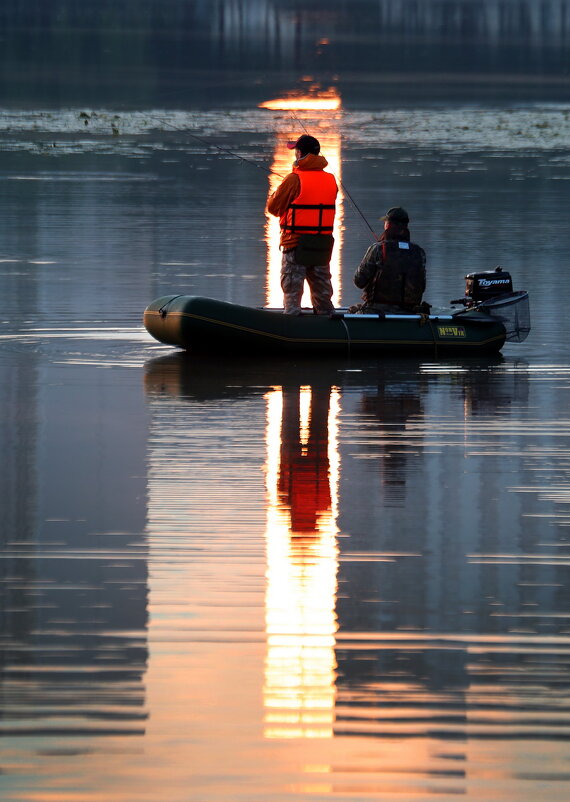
[312, 206]
[319, 228]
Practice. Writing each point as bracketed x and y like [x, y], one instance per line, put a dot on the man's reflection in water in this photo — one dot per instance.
[384, 681]
[299, 689]
[411, 609]
[393, 402]
[301, 469]
[304, 482]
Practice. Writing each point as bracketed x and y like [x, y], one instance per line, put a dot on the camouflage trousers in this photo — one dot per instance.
[293, 277]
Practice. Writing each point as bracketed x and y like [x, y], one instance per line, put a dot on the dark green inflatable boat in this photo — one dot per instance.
[204, 325]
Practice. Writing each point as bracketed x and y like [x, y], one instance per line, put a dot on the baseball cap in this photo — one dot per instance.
[306, 144]
[396, 215]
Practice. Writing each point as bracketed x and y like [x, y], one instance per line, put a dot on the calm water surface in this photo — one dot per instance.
[264, 580]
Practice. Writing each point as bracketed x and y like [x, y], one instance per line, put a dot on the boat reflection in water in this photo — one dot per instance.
[318, 113]
[336, 659]
[391, 611]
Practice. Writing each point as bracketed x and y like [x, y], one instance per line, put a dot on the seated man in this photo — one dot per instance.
[393, 270]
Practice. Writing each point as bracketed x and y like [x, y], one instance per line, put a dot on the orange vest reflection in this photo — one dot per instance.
[303, 484]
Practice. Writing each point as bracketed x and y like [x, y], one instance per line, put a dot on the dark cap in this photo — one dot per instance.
[306, 144]
[396, 215]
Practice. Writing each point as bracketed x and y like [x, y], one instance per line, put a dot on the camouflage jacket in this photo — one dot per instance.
[392, 272]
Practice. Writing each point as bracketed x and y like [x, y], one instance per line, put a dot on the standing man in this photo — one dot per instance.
[305, 204]
[393, 270]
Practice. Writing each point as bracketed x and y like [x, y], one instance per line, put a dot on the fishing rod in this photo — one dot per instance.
[266, 169]
[344, 189]
[213, 144]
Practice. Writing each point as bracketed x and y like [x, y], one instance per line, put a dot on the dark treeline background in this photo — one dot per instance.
[187, 51]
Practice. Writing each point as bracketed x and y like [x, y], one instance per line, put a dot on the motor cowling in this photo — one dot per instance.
[487, 284]
[482, 286]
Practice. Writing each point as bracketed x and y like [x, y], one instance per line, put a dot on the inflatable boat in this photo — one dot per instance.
[205, 325]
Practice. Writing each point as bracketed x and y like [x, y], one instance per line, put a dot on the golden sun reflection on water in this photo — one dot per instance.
[302, 472]
[324, 101]
[315, 117]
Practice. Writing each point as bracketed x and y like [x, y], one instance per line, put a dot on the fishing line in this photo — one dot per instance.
[351, 199]
[344, 189]
[213, 144]
[263, 167]
[301, 123]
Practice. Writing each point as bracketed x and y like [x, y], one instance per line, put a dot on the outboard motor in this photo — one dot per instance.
[482, 286]
[491, 293]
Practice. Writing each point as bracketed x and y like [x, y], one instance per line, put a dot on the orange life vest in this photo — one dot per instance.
[312, 211]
